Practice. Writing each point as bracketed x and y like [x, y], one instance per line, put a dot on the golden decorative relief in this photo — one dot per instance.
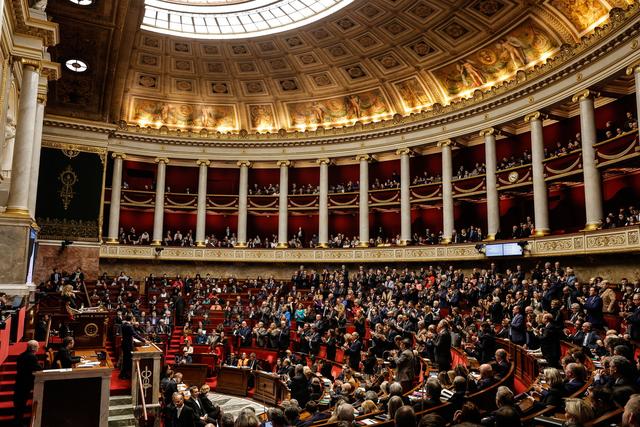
[513, 177]
[60, 229]
[68, 178]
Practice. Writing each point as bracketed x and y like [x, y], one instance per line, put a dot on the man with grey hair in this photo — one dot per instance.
[346, 413]
[26, 365]
[631, 414]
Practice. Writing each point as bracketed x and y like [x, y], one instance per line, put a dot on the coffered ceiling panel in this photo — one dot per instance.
[368, 61]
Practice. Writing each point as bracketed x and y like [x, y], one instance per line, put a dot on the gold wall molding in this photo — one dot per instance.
[625, 239]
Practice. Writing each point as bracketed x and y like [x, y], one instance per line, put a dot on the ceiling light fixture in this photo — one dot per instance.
[82, 2]
[76, 65]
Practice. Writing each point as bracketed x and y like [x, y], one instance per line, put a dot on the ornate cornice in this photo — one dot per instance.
[39, 27]
[74, 147]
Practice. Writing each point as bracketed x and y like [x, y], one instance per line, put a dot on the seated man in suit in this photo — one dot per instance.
[486, 377]
[502, 364]
[575, 377]
[181, 415]
[64, 355]
[432, 396]
[459, 390]
[589, 337]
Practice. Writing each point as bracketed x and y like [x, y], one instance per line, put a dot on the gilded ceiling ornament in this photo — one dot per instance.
[68, 178]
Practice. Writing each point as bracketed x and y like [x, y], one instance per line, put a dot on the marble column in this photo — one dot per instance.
[491, 182]
[447, 190]
[405, 196]
[323, 202]
[18, 201]
[591, 175]
[158, 213]
[635, 70]
[243, 205]
[283, 202]
[201, 218]
[116, 190]
[540, 195]
[363, 202]
[35, 158]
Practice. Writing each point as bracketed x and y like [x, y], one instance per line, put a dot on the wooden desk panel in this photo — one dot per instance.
[193, 373]
[268, 388]
[233, 380]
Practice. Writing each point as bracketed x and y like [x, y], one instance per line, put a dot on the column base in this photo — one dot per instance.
[201, 245]
[156, 243]
[322, 245]
[17, 213]
[541, 232]
[445, 241]
[282, 245]
[111, 241]
[363, 245]
[240, 245]
[490, 238]
[592, 226]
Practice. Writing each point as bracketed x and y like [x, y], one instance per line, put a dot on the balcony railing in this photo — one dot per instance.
[625, 239]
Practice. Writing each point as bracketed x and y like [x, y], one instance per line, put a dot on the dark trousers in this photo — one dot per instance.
[20, 407]
[125, 368]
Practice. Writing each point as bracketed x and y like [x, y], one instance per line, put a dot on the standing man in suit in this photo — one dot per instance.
[593, 306]
[633, 319]
[550, 341]
[128, 334]
[26, 365]
[354, 350]
[178, 305]
[181, 414]
[404, 365]
[64, 354]
[517, 328]
[443, 346]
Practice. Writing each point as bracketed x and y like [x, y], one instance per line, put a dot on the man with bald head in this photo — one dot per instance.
[486, 376]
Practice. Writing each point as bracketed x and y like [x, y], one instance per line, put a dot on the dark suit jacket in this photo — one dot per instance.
[300, 389]
[634, 324]
[572, 386]
[517, 330]
[128, 334]
[187, 417]
[26, 365]
[354, 355]
[550, 344]
[424, 404]
[65, 358]
[443, 350]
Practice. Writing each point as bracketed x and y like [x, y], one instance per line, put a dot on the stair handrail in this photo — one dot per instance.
[46, 337]
[144, 403]
[34, 410]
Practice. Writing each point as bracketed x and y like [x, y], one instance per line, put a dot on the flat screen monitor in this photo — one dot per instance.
[503, 249]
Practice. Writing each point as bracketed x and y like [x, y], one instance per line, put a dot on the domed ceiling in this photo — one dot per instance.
[366, 62]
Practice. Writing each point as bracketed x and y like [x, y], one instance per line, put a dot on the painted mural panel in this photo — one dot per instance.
[342, 109]
[585, 13]
[177, 114]
[499, 60]
[413, 94]
[262, 117]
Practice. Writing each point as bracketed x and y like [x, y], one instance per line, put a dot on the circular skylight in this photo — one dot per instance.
[76, 65]
[82, 2]
[233, 19]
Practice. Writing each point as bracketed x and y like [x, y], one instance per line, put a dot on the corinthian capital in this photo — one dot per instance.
[281, 163]
[489, 132]
[119, 155]
[161, 159]
[203, 162]
[245, 163]
[361, 157]
[323, 161]
[446, 143]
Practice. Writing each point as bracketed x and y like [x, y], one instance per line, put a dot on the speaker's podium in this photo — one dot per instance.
[74, 397]
[88, 327]
[269, 388]
[145, 380]
[232, 380]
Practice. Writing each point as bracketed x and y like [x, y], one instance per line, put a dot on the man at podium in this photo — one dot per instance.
[128, 334]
